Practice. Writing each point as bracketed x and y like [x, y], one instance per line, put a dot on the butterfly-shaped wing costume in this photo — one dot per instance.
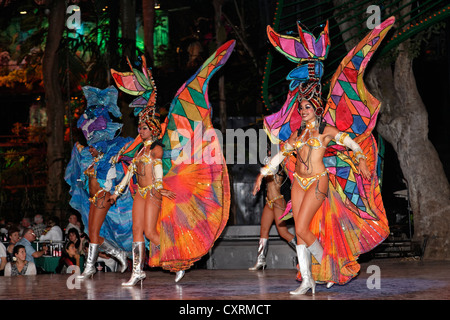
[352, 219]
[194, 168]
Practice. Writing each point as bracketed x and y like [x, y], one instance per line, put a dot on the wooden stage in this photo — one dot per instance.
[379, 279]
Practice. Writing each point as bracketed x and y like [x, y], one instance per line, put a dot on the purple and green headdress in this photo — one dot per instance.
[96, 123]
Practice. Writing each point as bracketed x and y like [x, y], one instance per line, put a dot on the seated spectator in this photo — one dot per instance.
[73, 223]
[38, 225]
[3, 230]
[29, 236]
[24, 224]
[3, 257]
[14, 237]
[70, 257]
[20, 266]
[78, 240]
[53, 231]
[109, 262]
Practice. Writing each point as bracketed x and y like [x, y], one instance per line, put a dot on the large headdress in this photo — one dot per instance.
[308, 52]
[141, 84]
[96, 123]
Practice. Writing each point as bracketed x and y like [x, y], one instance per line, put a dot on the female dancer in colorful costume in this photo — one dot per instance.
[98, 170]
[336, 199]
[146, 166]
[193, 167]
[272, 211]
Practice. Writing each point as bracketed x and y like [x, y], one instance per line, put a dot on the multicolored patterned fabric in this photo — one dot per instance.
[195, 169]
[117, 227]
[305, 47]
[190, 224]
[100, 132]
[138, 84]
[352, 220]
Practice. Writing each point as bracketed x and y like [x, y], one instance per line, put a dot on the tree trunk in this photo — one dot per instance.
[55, 109]
[403, 122]
[128, 17]
[148, 16]
[112, 52]
[220, 39]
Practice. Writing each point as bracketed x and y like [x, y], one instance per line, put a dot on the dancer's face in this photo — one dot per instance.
[144, 131]
[93, 151]
[306, 110]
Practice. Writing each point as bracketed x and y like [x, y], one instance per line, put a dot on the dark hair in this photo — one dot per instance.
[55, 220]
[77, 234]
[66, 246]
[16, 249]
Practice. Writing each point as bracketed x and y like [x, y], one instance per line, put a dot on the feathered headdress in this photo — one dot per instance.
[95, 123]
[308, 52]
[141, 84]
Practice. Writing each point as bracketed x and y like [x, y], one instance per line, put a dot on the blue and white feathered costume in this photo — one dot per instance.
[100, 132]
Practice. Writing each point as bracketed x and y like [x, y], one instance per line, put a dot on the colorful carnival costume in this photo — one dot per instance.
[193, 166]
[352, 218]
[100, 133]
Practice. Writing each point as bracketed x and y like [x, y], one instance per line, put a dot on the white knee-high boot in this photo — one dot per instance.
[304, 262]
[317, 251]
[262, 252]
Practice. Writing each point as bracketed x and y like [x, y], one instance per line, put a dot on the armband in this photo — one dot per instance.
[157, 174]
[272, 167]
[286, 149]
[119, 189]
[344, 139]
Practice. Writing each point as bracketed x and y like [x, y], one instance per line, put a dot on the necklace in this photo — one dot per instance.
[311, 125]
[98, 158]
[149, 142]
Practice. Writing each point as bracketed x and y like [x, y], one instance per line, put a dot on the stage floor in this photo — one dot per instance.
[399, 279]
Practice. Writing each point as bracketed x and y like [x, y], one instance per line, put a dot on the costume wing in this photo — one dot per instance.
[352, 109]
[350, 106]
[137, 83]
[195, 169]
[352, 220]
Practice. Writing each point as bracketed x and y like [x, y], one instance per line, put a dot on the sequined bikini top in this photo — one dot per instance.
[313, 142]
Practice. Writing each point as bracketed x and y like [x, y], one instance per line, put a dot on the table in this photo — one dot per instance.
[49, 263]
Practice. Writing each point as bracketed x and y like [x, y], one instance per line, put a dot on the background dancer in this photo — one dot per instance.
[93, 172]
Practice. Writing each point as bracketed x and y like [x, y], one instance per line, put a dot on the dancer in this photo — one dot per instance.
[190, 223]
[146, 166]
[97, 168]
[272, 212]
[331, 159]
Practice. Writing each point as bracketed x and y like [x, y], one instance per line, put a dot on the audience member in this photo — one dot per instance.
[73, 223]
[3, 229]
[14, 237]
[3, 257]
[20, 265]
[29, 236]
[70, 257]
[38, 225]
[24, 224]
[78, 240]
[53, 231]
